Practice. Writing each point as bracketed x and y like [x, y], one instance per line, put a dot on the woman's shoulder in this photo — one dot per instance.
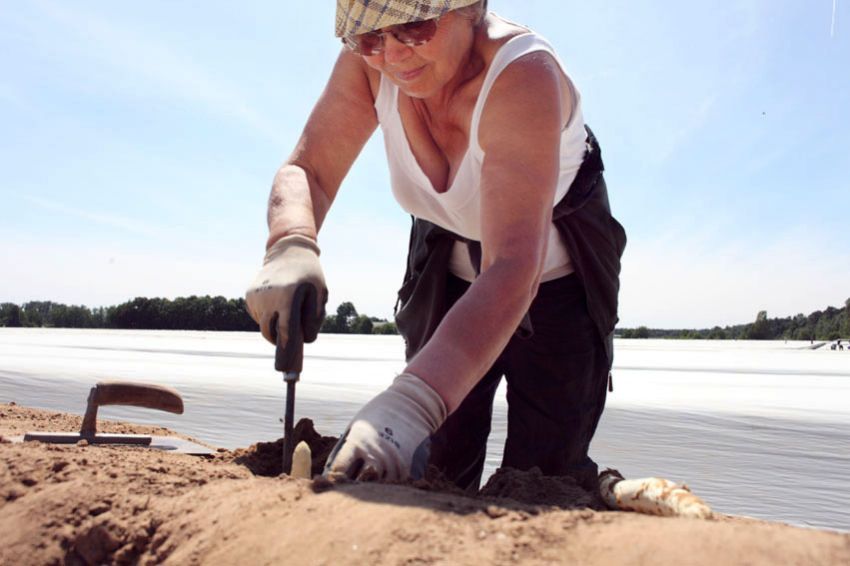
[531, 50]
[500, 28]
[525, 75]
[529, 56]
[496, 32]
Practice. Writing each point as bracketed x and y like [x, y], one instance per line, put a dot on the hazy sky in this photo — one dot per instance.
[138, 141]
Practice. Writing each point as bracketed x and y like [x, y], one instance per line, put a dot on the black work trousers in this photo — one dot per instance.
[556, 387]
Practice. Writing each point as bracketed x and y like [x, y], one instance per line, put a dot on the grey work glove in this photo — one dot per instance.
[388, 439]
[289, 293]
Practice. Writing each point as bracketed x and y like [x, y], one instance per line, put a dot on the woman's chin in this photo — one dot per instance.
[417, 89]
[417, 84]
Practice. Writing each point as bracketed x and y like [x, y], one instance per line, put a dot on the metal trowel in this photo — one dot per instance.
[289, 359]
[125, 393]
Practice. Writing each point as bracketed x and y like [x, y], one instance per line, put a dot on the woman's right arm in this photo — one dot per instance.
[291, 279]
[340, 125]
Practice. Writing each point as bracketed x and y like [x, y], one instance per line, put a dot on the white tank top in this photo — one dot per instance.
[459, 208]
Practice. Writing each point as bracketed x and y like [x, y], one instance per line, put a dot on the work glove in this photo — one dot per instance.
[289, 293]
[389, 438]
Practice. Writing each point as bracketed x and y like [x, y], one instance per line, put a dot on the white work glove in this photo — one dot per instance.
[289, 293]
[389, 438]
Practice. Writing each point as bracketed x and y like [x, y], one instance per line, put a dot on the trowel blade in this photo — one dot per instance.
[167, 443]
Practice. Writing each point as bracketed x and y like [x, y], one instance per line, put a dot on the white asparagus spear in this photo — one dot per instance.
[302, 460]
[654, 496]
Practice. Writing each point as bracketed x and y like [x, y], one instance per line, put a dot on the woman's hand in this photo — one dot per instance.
[291, 263]
[388, 439]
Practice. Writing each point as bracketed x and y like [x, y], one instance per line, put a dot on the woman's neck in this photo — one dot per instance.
[471, 66]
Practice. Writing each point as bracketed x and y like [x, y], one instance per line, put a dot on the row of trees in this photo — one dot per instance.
[219, 313]
[47, 313]
[829, 324]
[348, 321]
[183, 313]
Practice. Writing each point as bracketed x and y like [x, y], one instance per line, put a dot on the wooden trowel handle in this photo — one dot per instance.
[157, 397]
[138, 395]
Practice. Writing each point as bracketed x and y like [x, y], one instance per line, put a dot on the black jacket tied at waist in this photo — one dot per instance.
[593, 238]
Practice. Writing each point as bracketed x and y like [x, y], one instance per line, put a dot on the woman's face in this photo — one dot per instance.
[421, 71]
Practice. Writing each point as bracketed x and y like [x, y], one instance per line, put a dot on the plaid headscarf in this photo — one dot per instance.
[360, 16]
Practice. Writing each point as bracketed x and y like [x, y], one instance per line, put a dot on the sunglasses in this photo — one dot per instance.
[410, 34]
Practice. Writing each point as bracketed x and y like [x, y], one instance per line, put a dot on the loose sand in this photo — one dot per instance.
[94, 505]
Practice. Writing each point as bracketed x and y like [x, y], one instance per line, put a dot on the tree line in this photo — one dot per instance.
[348, 321]
[182, 313]
[219, 313]
[829, 324]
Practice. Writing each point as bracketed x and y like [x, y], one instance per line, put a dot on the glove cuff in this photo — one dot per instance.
[293, 240]
[433, 409]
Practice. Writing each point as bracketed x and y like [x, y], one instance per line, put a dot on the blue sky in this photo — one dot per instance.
[138, 141]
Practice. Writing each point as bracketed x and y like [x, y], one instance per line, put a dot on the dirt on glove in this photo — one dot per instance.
[124, 505]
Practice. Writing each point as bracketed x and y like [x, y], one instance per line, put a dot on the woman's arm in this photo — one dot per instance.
[520, 134]
[291, 279]
[340, 125]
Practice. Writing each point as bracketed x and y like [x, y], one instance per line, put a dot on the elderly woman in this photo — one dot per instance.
[514, 256]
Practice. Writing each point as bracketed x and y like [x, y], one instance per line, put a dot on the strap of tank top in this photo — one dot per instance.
[387, 97]
[507, 54]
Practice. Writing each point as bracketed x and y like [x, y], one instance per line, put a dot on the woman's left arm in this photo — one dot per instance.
[520, 134]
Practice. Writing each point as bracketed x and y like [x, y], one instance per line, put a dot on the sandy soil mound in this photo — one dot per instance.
[95, 504]
[266, 458]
